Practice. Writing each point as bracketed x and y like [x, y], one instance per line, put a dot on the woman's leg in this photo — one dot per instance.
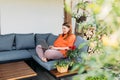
[53, 54]
[39, 51]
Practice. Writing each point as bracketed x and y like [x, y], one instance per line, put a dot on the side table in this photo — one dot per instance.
[58, 75]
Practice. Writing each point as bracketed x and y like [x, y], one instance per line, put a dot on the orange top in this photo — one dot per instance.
[61, 42]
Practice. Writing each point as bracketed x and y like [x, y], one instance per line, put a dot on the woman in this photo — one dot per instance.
[60, 46]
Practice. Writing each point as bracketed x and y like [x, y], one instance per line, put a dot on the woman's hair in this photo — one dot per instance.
[70, 29]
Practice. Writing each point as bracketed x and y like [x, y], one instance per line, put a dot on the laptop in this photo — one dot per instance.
[44, 44]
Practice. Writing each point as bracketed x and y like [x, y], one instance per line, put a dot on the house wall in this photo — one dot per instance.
[31, 16]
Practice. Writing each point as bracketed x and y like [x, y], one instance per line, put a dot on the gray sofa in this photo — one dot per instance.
[22, 46]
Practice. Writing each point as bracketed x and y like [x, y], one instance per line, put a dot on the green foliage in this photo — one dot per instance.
[62, 63]
[81, 11]
[96, 78]
[73, 53]
[106, 57]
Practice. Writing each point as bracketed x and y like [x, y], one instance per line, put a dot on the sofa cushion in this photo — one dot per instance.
[32, 51]
[51, 39]
[80, 40]
[47, 65]
[25, 41]
[6, 42]
[14, 55]
[50, 65]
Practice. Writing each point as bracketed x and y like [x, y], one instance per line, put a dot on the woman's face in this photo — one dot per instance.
[65, 29]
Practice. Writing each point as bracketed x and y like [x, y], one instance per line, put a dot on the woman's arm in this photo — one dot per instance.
[59, 48]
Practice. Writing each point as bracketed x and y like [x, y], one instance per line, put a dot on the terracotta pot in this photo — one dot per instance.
[62, 69]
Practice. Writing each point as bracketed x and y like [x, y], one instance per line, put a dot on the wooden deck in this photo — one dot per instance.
[42, 74]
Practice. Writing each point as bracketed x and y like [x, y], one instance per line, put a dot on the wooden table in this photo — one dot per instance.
[15, 71]
[58, 75]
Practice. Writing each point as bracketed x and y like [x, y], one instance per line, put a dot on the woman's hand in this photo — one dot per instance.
[51, 47]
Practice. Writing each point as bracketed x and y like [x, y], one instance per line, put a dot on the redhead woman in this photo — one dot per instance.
[60, 46]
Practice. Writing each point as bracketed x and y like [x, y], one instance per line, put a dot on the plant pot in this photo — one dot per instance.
[62, 69]
[79, 29]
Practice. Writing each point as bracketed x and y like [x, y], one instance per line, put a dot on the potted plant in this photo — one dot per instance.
[73, 55]
[83, 17]
[73, 52]
[81, 13]
[62, 65]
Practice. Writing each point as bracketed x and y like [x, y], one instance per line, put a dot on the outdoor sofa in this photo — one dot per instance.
[16, 46]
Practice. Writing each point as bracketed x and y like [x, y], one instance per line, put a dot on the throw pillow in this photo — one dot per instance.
[6, 42]
[80, 40]
[25, 41]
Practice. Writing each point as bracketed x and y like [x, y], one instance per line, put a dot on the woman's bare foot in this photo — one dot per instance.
[44, 59]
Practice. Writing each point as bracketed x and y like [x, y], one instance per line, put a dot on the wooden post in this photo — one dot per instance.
[67, 11]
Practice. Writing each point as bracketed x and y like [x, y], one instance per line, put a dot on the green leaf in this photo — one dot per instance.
[82, 69]
[82, 45]
[75, 67]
